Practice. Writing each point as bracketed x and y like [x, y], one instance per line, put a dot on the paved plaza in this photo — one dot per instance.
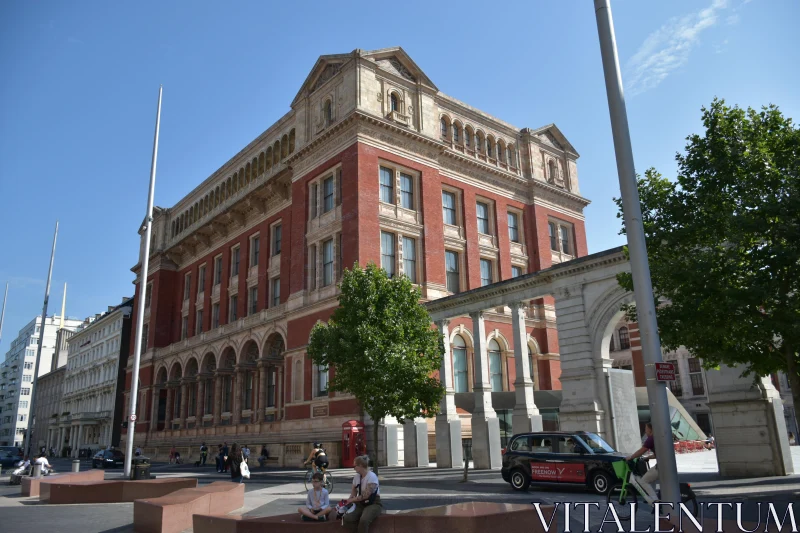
[279, 491]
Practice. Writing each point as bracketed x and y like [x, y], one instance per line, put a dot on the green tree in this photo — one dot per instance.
[382, 347]
[724, 243]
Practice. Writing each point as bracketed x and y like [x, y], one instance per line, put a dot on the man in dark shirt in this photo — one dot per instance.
[646, 481]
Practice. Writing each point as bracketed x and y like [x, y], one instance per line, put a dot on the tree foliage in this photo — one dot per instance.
[382, 347]
[724, 243]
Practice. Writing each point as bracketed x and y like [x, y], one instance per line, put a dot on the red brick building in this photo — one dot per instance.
[372, 163]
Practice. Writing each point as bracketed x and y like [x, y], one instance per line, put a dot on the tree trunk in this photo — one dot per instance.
[793, 375]
[375, 429]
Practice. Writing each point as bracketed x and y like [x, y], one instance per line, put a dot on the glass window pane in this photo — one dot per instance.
[327, 191]
[483, 218]
[327, 263]
[460, 367]
[410, 259]
[486, 272]
[387, 185]
[387, 253]
[553, 237]
[495, 371]
[406, 191]
[449, 207]
[451, 267]
[513, 230]
[565, 240]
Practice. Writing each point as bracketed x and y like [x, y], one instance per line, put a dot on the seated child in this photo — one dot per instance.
[317, 502]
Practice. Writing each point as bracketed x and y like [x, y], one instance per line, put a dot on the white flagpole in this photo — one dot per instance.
[31, 419]
[137, 350]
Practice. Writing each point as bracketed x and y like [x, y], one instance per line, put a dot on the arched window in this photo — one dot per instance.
[479, 146]
[394, 102]
[532, 368]
[291, 141]
[624, 338]
[495, 366]
[456, 134]
[460, 379]
[501, 151]
[512, 158]
[328, 112]
[489, 146]
[468, 136]
[443, 126]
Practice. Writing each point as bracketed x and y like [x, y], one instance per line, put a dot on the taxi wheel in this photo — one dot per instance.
[519, 480]
[601, 482]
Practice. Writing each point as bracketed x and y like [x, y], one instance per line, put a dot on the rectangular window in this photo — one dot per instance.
[675, 386]
[184, 327]
[276, 240]
[327, 262]
[255, 249]
[187, 285]
[516, 271]
[322, 381]
[387, 185]
[253, 301]
[553, 237]
[387, 253]
[235, 261]
[565, 247]
[312, 268]
[513, 227]
[148, 293]
[233, 309]
[28, 366]
[23, 404]
[27, 378]
[406, 191]
[486, 272]
[276, 292]
[410, 259]
[217, 270]
[449, 207]
[215, 315]
[198, 322]
[696, 376]
[201, 280]
[451, 266]
[483, 218]
[24, 392]
[248, 391]
[312, 205]
[327, 194]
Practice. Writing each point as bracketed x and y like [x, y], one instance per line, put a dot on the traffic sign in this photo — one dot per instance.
[665, 372]
[133, 418]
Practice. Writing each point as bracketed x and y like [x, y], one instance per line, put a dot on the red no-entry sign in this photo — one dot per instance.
[665, 372]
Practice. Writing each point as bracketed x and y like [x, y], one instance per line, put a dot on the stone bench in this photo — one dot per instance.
[115, 491]
[471, 517]
[173, 513]
[34, 486]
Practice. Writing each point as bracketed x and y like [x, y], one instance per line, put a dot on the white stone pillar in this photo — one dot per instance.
[78, 442]
[449, 453]
[749, 426]
[583, 382]
[526, 417]
[485, 425]
[415, 446]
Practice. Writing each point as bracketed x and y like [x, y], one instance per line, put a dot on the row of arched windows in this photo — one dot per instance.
[474, 140]
[265, 162]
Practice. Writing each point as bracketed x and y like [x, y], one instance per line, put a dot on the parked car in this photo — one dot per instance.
[572, 458]
[108, 458]
[9, 456]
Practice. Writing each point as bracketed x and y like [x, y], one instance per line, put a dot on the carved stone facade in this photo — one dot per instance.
[359, 169]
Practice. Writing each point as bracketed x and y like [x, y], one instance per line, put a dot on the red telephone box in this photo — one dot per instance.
[354, 442]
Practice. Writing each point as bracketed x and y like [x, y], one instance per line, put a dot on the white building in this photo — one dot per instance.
[91, 405]
[16, 375]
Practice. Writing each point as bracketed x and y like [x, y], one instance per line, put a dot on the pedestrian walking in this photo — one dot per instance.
[233, 462]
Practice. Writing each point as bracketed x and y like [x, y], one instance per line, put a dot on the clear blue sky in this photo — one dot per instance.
[80, 80]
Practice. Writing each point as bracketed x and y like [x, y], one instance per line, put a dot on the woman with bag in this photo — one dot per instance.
[235, 461]
[365, 494]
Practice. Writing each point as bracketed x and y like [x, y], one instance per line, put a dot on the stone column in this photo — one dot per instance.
[201, 398]
[184, 402]
[449, 452]
[60, 443]
[217, 399]
[261, 398]
[237, 389]
[485, 425]
[526, 417]
[168, 414]
[279, 399]
[154, 411]
[415, 439]
[584, 406]
[78, 442]
[749, 426]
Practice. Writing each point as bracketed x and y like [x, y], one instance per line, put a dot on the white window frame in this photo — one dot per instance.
[252, 302]
[490, 214]
[397, 195]
[561, 225]
[236, 260]
[255, 251]
[457, 207]
[459, 264]
[273, 283]
[217, 270]
[520, 232]
[326, 282]
[389, 237]
[274, 229]
[187, 286]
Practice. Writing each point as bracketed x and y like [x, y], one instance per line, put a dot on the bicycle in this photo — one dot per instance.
[624, 492]
[327, 478]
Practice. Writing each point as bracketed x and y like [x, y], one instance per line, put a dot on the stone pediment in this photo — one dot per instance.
[328, 72]
[393, 65]
[548, 139]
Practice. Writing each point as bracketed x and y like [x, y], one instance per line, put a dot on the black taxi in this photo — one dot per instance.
[575, 458]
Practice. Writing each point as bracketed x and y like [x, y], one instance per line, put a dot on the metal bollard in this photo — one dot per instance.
[76, 465]
[37, 470]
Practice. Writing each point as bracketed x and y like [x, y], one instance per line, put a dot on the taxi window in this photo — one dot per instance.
[543, 444]
[521, 444]
[569, 445]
